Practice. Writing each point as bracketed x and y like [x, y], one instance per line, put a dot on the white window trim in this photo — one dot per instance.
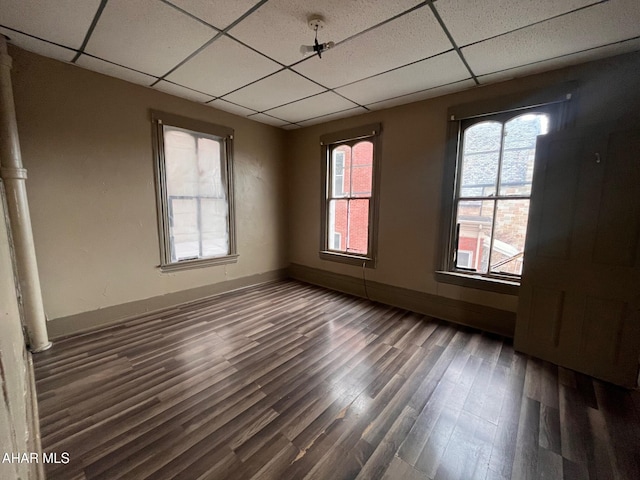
[225, 134]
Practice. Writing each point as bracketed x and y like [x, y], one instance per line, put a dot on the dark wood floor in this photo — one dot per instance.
[290, 381]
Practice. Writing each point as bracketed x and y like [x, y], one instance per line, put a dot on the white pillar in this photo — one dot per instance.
[14, 176]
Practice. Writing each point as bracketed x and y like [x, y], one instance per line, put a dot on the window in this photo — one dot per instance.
[350, 202]
[494, 174]
[464, 259]
[195, 192]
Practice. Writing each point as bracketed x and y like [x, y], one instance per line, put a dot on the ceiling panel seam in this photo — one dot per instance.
[189, 57]
[255, 50]
[38, 38]
[188, 88]
[453, 42]
[221, 97]
[92, 27]
[123, 66]
[284, 67]
[191, 15]
[262, 113]
[637, 37]
[328, 114]
[384, 22]
[208, 102]
[419, 91]
[584, 7]
[356, 104]
[396, 68]
[216, 37]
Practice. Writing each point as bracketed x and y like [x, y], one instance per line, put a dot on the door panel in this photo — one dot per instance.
[579, 300]
[558, 202]
[619, 219]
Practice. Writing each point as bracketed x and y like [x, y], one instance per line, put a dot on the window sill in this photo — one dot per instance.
[348, 259]
[495, 285]
[199, 263]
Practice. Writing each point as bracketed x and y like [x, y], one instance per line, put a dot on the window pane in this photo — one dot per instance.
[183, 218]
[474, 238]
[180, 158]
[210, 174]
[519, 152]
[196, 195]
[339, 171]
[214, 227]
[480, 158]
[337, 223]
[358, 226]
[509, 236]
[362, 169]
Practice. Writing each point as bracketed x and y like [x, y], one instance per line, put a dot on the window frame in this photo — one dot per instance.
[327, 143]
[225, 134]
[554, 101]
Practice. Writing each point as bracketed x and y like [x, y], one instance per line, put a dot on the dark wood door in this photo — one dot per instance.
[579, 300]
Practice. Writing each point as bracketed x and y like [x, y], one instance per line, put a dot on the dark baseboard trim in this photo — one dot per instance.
[109, 316]
[501, 322]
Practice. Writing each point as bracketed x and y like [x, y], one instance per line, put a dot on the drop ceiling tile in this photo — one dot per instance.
[219, 13]
[38, 46]
[564, 61]
[279, 27]
[311, 107]
[113, 70]
[231, 108]
[222, 67]
[262, 118]
[333, 116]
[423, 95]
[413, 37]
[283, 87]
[64, 21]
[470, 20]
[595, 26]
[180, 91]
[146, 35]
[440, 70]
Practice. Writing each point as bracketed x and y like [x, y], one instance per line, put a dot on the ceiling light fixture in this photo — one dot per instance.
[316, 22]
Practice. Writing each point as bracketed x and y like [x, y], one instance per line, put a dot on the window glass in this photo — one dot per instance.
[349, 198]
[196, 195]
[492, 202]
[352, 177]
[480, 159]
[520, 136]
[194, 192]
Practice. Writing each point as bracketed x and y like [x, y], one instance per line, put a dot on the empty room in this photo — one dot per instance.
[284, 239]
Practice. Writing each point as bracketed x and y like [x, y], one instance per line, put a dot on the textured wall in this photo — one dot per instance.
[413, 158]
[86, 142]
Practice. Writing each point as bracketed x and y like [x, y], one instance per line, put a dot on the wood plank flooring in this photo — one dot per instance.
[291, 381]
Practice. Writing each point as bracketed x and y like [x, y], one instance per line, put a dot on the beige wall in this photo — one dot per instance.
[17, 432]
[86, 143]
[413, 157]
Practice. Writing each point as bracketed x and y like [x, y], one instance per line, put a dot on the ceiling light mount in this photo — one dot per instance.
[316, 23]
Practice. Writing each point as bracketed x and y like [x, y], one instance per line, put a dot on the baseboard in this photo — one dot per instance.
[108, 316]
[501, 322]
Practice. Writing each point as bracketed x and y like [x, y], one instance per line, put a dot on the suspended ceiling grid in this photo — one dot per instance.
[243, 56]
